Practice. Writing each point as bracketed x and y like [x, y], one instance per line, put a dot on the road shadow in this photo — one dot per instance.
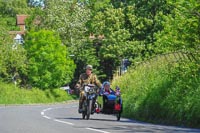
[80, 118]
[150, 128]
[131, 126]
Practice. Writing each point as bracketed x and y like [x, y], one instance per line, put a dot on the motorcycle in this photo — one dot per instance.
[89, 103]
[113, 104]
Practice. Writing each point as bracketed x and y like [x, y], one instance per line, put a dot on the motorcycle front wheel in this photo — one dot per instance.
[84, 109]
[89, 109]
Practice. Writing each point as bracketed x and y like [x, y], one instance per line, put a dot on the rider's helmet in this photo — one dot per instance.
[105, 83]
[88, 67]
[102, 88]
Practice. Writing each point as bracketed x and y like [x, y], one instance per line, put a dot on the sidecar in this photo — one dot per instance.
[112, 104]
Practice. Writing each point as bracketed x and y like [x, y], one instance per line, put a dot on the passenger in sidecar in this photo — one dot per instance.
[112, 102]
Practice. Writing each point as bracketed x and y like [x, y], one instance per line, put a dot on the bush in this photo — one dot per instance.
[49, 65]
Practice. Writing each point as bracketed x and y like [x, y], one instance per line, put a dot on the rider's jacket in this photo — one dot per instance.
[91, 79]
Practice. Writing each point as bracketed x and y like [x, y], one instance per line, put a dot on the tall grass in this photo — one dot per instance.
[10, 94]
[162, 91]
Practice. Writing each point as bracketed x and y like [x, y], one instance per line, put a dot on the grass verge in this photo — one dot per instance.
[10, 94]
[162, 92]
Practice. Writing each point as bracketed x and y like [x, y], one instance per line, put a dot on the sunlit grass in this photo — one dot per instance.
[10, 94]
[162, 90]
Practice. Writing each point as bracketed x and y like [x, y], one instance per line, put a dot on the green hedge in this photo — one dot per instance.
[162, 92]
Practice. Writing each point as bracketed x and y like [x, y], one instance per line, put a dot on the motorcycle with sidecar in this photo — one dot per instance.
[112, 103]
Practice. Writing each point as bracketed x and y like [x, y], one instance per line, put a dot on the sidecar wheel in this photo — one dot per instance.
[118, 116]
[83, 115]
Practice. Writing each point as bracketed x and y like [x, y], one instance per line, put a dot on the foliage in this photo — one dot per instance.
[13, 7]
[162, 90]
[128, 29]
[9, 10]
[4, 38]
[49, 65]
[110, 23]
[69, 20]
[12, 61]
[181, 27]
[143, 21]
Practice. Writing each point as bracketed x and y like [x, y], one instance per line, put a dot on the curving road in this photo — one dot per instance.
[64, 118]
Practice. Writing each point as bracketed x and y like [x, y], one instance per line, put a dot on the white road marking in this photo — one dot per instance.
[46, 117]
[63, 122]
[47, 109]
[123, 127]
[97, 130]
[42, 113]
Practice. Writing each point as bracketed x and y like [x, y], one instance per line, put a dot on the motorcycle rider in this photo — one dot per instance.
[86, 78]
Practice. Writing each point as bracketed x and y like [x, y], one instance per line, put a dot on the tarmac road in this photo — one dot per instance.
[64, 118]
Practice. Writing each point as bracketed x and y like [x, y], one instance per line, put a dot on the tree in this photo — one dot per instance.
[12, 56]
[13, 7]
[12, 59]
[8, 11]
[144, 19]
[49, 65]
[129, 28]
[111, 24]
[69, 20]
[181, 27]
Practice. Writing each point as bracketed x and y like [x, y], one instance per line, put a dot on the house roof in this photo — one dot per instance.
[21, 19]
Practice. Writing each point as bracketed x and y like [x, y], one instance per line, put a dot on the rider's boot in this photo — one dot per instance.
[81, 99]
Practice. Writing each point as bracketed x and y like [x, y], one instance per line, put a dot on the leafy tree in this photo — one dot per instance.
[13, 7]
[8, 11]
[12, 59]
[181, 27]
[49, 65]
[69, 20]
[12, 56]
[128, 27]
[96, 5]
[110, 23]
[144, 19]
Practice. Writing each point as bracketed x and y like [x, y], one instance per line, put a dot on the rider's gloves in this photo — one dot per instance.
[106, 93]
[77, 86]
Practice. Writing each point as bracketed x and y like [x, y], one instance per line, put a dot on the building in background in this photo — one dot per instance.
[18, 35]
